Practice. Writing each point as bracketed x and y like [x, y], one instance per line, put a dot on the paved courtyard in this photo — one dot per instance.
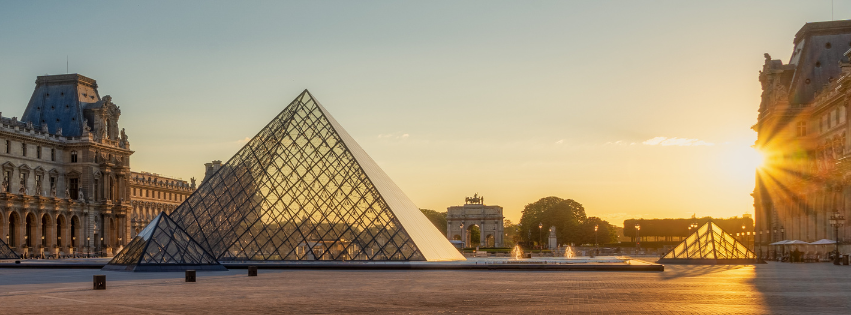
[776, 288]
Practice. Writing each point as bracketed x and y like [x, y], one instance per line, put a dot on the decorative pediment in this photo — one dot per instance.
[96, 173]
[53, 172]
[73, 173]
[24, 168]
[38, 170]
[8, 166]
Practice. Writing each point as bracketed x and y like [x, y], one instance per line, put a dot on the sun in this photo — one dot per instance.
[741, 162]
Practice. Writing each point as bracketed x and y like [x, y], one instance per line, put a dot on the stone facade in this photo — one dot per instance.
[802, 129]
[489, 219]
[151, 194]
[66, 179]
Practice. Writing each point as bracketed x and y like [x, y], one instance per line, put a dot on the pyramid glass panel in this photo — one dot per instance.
[303, 189]
[163, 246]
[6, 252]
[709, 245]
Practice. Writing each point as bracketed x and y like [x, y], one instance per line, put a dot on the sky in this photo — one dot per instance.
[635, 109]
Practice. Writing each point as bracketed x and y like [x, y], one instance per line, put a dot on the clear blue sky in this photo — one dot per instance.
[513, 100]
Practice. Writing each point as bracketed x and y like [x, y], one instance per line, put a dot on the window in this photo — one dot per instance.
[7, 176]
[134, 192]
[38, 152]
[835, 114]
[802, 128]
[147, 193]
[73, 188]
[74, 157]
[52, 154]
[23, 149]
[8, 146]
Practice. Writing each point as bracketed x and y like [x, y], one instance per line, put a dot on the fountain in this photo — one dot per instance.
[568, 252]
[517, 252]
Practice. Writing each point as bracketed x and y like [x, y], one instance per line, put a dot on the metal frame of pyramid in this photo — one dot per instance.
[163, 246]
[6, 252]
[303, 190]
[710, 245]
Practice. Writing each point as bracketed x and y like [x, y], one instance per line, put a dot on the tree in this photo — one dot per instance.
[512, 235]
[436, 218]
[565, 215]
[606, 233]
[568, 217]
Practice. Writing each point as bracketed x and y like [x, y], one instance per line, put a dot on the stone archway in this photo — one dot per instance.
[75, 232]
[473, 236]
[61, 230]
[489, 241]
[29, 230]
[45, 238]
[13, 234]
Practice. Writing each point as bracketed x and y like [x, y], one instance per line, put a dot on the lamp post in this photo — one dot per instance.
[596, 247]
[541, 237]
[637, 236]
[836, 220]
[759, 255]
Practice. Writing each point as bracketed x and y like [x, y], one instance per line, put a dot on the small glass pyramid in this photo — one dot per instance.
[710, 245]
[163, 246]
[6, 252]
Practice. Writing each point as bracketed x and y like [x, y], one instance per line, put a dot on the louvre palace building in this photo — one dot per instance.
[803, 129]
[67, 186]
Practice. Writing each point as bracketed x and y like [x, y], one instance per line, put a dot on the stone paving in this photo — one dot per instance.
[775, 288]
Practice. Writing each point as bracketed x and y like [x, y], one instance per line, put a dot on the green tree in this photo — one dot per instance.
[475, 234]
[436, 218]
[606, 232]
[566, 215]
[512, 234]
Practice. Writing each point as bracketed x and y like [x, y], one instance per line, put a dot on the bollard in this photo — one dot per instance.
[252, 271]
[99, 282]
[190, 275]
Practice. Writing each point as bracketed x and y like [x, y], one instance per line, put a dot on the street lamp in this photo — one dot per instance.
[541, 236]
[596, 247]
[637, 237]
[836, 220]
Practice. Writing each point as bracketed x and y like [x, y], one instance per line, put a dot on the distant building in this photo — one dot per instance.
[803, 129]
[154, 193]
[474, 212]
[66, 179]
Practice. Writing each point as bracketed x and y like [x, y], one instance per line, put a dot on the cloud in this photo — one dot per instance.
[396, 135]
[243, 141]
[682, 142]
[560, 141]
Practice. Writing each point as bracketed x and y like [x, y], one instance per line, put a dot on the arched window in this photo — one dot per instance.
[73, 156]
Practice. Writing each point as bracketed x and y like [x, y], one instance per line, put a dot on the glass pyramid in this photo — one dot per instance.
[163, 246]
[6, 252]
[303, 190]
[710, 245]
